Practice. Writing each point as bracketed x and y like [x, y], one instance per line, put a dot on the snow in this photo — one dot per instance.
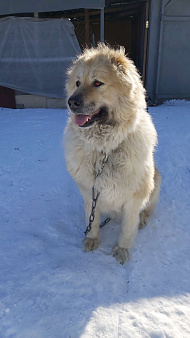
[48, 286]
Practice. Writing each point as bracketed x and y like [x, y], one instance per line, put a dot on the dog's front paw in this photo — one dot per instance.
[90, 244]
[120, 254]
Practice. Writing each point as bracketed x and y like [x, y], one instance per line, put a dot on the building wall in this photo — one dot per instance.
[35, 101]
[168, 69]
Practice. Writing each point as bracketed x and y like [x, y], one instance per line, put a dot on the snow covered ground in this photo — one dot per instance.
[48, 286]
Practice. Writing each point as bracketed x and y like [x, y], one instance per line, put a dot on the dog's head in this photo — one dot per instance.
[103, 90]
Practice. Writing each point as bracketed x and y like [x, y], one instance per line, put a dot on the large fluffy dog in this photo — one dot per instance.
[108, 116]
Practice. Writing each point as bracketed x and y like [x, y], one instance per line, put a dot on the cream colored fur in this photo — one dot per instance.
[129, 184]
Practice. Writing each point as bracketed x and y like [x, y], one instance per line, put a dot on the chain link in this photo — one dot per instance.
[102, 167]
[95, 196]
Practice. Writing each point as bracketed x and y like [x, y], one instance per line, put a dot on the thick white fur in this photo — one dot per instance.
[129, 184]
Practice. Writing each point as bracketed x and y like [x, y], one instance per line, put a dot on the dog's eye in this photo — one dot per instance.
[97, 83]
[78, 83]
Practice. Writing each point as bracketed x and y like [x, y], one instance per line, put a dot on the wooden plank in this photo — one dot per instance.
[7, 97]
[145, 42]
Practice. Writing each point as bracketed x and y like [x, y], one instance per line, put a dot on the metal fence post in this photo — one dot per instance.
[102, 25]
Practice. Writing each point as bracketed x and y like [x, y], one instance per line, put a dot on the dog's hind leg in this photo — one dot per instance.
[129, 228]
[145, 213]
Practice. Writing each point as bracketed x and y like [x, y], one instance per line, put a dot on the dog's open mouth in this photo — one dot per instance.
[87, 120]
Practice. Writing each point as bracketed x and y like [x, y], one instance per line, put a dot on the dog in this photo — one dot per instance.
[109, 144]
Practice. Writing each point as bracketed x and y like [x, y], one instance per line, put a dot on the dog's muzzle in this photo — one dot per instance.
[75, 102]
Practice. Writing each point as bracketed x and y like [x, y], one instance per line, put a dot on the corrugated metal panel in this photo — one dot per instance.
[28, 6]
[174, 79]
[168, 71]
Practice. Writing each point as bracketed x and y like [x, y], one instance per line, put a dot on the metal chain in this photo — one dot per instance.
[95, 196]
[102, 167]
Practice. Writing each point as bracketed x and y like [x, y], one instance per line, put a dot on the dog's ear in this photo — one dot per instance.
[119, 59]
[122, 63]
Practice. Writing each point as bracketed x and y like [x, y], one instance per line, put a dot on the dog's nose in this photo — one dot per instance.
[75, 102]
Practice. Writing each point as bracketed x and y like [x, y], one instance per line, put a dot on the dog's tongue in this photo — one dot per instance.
[80, 119]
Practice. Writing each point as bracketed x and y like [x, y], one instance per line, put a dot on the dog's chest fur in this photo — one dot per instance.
[116, 181]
